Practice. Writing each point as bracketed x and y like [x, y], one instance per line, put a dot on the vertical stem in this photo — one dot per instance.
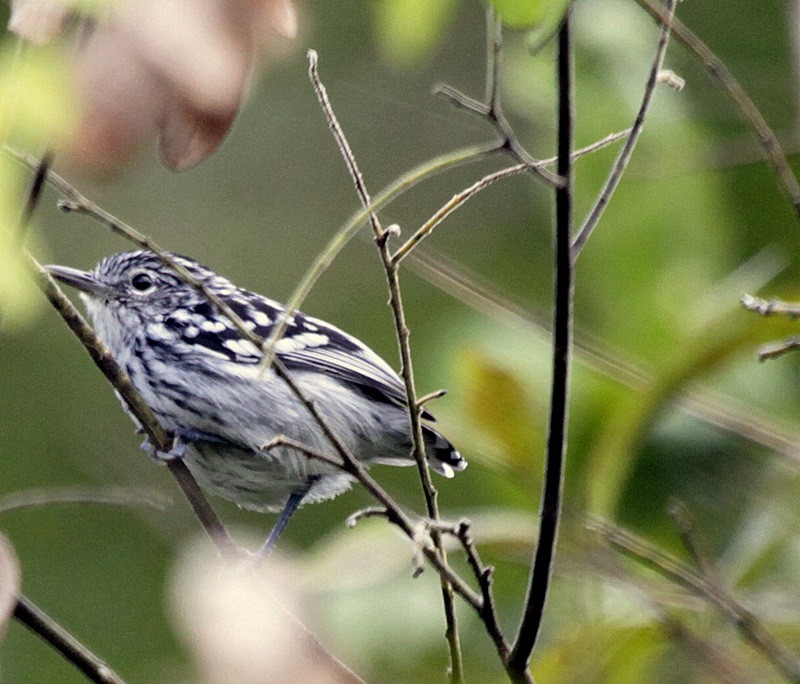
[541, 570]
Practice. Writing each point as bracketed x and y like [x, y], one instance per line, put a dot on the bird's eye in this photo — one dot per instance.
[142, 282]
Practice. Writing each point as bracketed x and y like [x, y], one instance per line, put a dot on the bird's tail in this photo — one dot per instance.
[443, 456]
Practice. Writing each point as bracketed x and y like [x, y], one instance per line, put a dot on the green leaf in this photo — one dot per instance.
[529, 13]
[408, 29]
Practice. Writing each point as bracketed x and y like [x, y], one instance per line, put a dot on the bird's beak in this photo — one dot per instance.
[80, 280]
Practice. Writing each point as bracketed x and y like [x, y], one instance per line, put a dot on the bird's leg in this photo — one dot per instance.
[292, 504]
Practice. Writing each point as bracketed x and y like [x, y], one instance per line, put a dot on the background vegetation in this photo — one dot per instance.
[698, 220]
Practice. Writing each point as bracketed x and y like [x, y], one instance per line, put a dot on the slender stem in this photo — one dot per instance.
[732, 88]
[41, 624]
[460, 198]
[621, 162]
[542, 566]
[407, 371]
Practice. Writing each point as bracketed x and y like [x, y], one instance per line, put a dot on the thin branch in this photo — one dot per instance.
[283, 441]
[774, 307]
[462, 531]
[684, 523]
[41, 624]
[407, 371]
[748, 625]
[624, 157]
[370, 512]
[495, 116]
[550, 513]
[771, 307]
[460, 198]
[733, 89]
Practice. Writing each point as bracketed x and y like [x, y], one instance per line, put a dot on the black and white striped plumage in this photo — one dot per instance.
[203, 381]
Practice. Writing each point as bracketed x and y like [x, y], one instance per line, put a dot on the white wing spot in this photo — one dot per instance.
[192, 331]
[261, 318]
[241, 347]
[302, 341]
[213, 326]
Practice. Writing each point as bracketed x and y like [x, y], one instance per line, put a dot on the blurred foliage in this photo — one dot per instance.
[35, 109]
[697, 220]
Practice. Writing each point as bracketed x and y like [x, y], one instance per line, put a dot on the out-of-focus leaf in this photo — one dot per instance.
[19, 300]
[9, 582]
[408, 29]
[498, 402]
[615, 450]
[36, 108]
[526, 13]
[598, 652]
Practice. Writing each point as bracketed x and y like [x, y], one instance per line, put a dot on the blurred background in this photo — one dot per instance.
[668, 400]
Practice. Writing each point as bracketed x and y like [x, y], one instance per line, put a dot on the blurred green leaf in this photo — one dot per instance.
[408, 29]
[601, 651]
[499, 403]
[528, 13]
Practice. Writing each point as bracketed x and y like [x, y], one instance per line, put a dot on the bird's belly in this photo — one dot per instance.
[261, 481]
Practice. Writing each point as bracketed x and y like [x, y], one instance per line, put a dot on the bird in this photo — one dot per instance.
[206, 384]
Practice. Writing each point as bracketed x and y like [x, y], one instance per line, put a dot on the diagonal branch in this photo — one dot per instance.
[621, 162]
[41, 624]
[733, 89]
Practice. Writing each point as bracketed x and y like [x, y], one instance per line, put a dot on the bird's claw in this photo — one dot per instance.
[178, 451]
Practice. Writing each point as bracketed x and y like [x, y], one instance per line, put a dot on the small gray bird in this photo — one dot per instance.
[204, 383]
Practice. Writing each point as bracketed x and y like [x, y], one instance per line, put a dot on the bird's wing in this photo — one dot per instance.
[308, 344]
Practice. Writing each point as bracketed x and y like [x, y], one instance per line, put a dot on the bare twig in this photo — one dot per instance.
[41, 624]
[731, 87]
[748, 625]
[684, 523]
[770, 307]
[492, 112]
[485, 574]
[370, 512]
[283, 441]
[438, 394]
[774, 307]
[461, 197]
[624, 157]
[407, 372]
[550, 512]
